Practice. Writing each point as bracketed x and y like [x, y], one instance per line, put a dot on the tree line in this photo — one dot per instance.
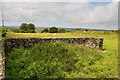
[30, 28]
[53, 30]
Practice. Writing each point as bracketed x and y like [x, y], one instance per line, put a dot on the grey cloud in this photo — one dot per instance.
[60, 0]
[64, 13]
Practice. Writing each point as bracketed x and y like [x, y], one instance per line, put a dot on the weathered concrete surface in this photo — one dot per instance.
[11, 43]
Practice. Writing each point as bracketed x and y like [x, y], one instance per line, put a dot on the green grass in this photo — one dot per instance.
[110, 38]
[58, 60]
[107, 66]
[68, 34]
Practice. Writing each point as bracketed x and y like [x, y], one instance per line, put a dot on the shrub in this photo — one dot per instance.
[79, 29]
[53, 30]
[115, 31]
[61, 30]
[107, 32]
[52, 60]
[86, 29]
[4, 30]
[15, 30]
[45, 30]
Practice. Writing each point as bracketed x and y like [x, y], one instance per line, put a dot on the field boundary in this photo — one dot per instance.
[11, 43]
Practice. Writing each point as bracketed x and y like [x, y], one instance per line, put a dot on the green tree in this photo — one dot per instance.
[53, 30]
[61, 30]
[23, 28]
[27, 28]
[45, 30]
[31, 28]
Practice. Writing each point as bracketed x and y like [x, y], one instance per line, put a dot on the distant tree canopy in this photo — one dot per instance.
[45, 30]
[61, 30]
[15, 30]
[86, 29]
[27, 28]
[53, 30]
[78, 29]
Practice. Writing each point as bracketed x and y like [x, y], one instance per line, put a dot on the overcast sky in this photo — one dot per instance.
[98, 15]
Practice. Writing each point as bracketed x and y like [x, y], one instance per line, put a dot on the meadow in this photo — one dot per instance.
[81, 62]
[110, 38]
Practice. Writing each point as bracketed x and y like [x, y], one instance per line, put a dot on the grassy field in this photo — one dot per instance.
[108, 64]
[110, 38]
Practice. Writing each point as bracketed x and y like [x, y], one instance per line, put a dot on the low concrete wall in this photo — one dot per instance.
[11, 43]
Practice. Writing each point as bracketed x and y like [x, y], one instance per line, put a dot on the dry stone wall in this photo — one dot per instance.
[11, 43]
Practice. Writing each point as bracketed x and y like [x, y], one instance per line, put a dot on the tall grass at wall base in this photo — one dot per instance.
[57, 60]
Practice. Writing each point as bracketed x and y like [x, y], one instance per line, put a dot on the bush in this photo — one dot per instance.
[15, 30]
[61, 30]
[107, 32]
[79, 29]
[4, 30]
[86, 29]
[115, 31]
[45, 30]
[52, 60]
[53, 30]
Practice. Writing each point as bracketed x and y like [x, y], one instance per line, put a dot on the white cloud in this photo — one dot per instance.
[61, 14]
[115, 0]
[60, 0]
[45, 0]
[103, 14]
